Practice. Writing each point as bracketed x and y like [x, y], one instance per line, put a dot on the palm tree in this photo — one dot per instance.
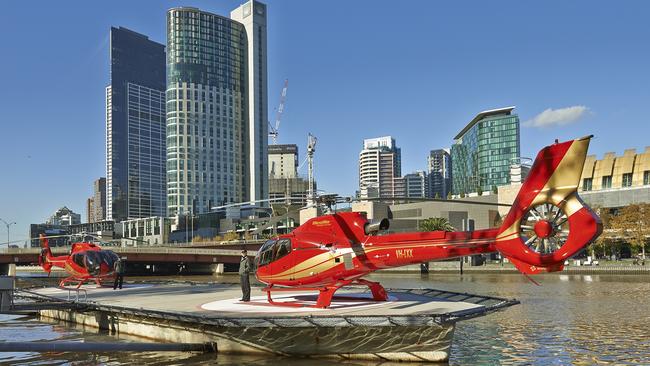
[435, 224]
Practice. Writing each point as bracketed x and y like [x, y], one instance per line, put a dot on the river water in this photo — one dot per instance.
[569, 319]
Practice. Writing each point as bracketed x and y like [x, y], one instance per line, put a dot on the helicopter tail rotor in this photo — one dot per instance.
[548, 222]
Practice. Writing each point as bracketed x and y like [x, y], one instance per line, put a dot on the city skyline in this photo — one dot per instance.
[553, 74]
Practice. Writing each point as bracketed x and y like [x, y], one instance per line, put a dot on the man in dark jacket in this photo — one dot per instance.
[244, 271]
[118, 267]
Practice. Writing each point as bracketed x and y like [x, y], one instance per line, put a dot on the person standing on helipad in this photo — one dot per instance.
[244, 271]
[118, 267]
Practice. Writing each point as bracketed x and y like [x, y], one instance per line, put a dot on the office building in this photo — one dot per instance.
[416, 184]
[283, 175]
[483, 151]
[96, 205]
[90, 208]
[379, 165]
[216, 98]
[135, 127]
[252, 15]
[616, 181]
[439, 168]
[64, 217]
[283, 161]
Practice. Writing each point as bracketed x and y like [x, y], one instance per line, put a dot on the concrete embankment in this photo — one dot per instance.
[454, 267]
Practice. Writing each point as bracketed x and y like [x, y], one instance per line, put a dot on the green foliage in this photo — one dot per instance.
[479, 190]
[435, 224]
[633, 224]
[495, 190]
[437, 196]
[449, 195]
[462, 194]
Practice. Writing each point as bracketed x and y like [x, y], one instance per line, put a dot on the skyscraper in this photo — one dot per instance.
[439, 166]
[135, 127]
[483, 150]
[379, 163]
[216, 144]
[252, 15]
[96, 205]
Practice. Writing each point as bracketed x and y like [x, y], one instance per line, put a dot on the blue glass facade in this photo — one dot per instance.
[483, 151]
[135, 127]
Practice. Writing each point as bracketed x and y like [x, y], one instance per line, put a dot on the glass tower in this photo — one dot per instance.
[207, 111]
[483, 150]
[135, 127]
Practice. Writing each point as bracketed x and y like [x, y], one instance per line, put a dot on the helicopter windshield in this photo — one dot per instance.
[273, 250]
[93, 261]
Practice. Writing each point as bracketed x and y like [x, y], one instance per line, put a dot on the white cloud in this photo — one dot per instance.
[557, 117]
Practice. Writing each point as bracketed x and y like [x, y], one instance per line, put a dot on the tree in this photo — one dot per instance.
[449, 195]
[437, 196]
[462, 194]
[435, 224]
[495, 190]
[633, 223]
[605, 240]
[479, 190]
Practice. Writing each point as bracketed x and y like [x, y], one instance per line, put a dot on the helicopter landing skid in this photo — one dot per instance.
[326, 293]
[79, 281]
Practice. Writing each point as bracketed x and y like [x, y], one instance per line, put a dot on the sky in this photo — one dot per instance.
[417, 70]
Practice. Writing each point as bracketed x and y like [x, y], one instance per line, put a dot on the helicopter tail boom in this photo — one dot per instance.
[45, 258]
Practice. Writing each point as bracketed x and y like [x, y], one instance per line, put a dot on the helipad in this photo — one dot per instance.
[414, 325]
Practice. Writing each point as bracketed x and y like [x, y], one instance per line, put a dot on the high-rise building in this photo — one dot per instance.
[416, 184]
[439, 167]
[90, 208]
[216, 98]
[283, 161]
[96, 205]
[483, 151]
[135, 127]
[252, 15]
[379, 164]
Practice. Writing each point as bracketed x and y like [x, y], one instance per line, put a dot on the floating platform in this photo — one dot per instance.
[414, 325]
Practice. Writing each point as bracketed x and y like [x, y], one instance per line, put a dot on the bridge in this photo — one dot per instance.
[189, 254]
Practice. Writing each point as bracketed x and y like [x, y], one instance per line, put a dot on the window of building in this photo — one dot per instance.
[646, 177]
[607, 182]
[587, 184]
[627, 180]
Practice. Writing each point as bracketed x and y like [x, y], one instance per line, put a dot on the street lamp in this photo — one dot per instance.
[7, 225]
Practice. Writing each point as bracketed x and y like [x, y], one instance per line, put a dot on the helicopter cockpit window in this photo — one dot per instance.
[79, 259]
[281, 248]
[273, 250]
[265, 254]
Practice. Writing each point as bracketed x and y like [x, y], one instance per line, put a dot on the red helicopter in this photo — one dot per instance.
[546, 225]
[86, 262]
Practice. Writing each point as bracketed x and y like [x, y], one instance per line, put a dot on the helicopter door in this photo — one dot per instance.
[285, 262]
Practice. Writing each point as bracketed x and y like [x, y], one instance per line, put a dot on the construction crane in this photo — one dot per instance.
[275, 130]
[311, 149]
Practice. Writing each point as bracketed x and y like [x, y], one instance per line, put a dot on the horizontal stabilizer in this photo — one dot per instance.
[531, 269]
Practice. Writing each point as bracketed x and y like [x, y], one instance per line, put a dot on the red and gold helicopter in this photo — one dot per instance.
[546, 225]
[86, 262]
